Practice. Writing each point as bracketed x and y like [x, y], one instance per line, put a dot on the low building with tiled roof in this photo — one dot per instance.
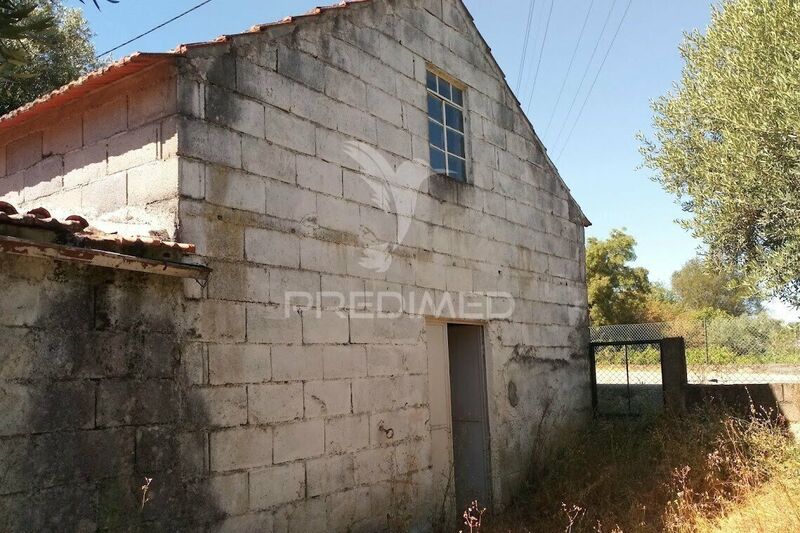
[379, 314]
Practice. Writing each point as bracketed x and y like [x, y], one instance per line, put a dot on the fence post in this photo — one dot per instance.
[673, 374]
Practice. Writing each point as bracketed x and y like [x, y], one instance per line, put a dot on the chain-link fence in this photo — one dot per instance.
[747, 349]
[628, 378]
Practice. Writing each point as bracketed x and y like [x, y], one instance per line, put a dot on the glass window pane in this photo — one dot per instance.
[435, 108]
[444, 88]
[458, 96]
[453, 117]
[437, 160]
[436, 134]
[455, 143]
[456, 168]
[431, 81]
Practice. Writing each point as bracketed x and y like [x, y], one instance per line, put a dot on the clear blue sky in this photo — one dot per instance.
[600, 162]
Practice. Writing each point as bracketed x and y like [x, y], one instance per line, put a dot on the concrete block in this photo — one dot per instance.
[384, 105]
[301, 67]
[133, 148]
[345, 87]
[272, 247]
[404, 424]
[290, 202]
[386, 394]
[394, 139]
[266, 159]
[153, 182]
[122, 403]
[330, 474]
[296, 363]
[263, 84]
[239, 363]
[105, 120]
[273, 324]
[316, 174]
[69, 406]
[209, 142]
[246, 523]
[218, 320]
[163, 448]
[299, 440]
[290, 131]
[346, 433]
[284, 281]
[229, 109]
[217, 406]
[155, 98]
[327, 398]
[85, 164]
[212, 237]
[345, 361]
[374, 465]
[322, 256]
[229, 492]
[391, 360]
[312, 106]
[274, 402]
[43, 178]
[234, 188]
[64, 136]
[325, 327]
[240, 448]
[277, 485]
[384, 330]
[356, 123]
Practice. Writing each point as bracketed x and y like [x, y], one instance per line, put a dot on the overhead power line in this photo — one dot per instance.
[541, 53]
[151, 30]
[525, 44]
[569, 69]
[588, 94]
[585, 73]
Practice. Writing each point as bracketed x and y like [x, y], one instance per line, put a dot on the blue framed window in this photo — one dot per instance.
[446, 127]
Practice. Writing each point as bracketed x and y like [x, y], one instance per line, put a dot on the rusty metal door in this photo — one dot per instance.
[470, 418]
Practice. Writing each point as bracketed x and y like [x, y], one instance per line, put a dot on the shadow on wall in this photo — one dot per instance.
[95, 395]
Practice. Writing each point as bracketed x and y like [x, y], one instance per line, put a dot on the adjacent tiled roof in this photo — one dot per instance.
[135, 63]
[76, 231]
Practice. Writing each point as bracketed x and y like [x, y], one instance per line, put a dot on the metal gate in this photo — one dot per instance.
[626, 377]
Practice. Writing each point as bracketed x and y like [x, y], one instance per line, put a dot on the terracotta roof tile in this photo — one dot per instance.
[75, 230]
[135, 63]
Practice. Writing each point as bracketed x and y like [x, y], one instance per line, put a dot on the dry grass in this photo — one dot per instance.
[707, 471]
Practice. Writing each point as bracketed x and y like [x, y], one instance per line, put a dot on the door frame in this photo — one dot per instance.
[441, 414]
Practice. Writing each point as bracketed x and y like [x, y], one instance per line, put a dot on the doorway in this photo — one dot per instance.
[469, 415]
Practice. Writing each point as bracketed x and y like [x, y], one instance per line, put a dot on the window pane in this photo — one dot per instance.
[456, 168]
[453, 117]
[431, 81]
[435, 108]
[436, 134]
[455, 143]
[437, 160]
[444, 88]
[458, 96]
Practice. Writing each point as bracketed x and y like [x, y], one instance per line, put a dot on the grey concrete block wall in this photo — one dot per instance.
[275, 414]
[291, 209]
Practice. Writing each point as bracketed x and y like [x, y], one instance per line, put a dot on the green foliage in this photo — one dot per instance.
[698, 286]
[20, 21]
[727, 140]
[617, 290]
[53, 58]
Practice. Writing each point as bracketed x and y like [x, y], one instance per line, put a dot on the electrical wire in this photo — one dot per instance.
[151, 30]
[541, 53]
[569, 69]
[585, 73]
[588, 94]
[525, 44]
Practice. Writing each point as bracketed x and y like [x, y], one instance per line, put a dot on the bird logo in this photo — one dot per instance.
[394, 190]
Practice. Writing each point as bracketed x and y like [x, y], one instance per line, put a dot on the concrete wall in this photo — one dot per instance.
[109, 156]
[98, 390]
[275, 203]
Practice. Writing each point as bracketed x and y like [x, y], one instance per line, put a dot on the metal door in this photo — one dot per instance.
[469, 410]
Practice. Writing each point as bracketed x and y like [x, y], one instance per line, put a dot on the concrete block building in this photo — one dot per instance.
[381, 313]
